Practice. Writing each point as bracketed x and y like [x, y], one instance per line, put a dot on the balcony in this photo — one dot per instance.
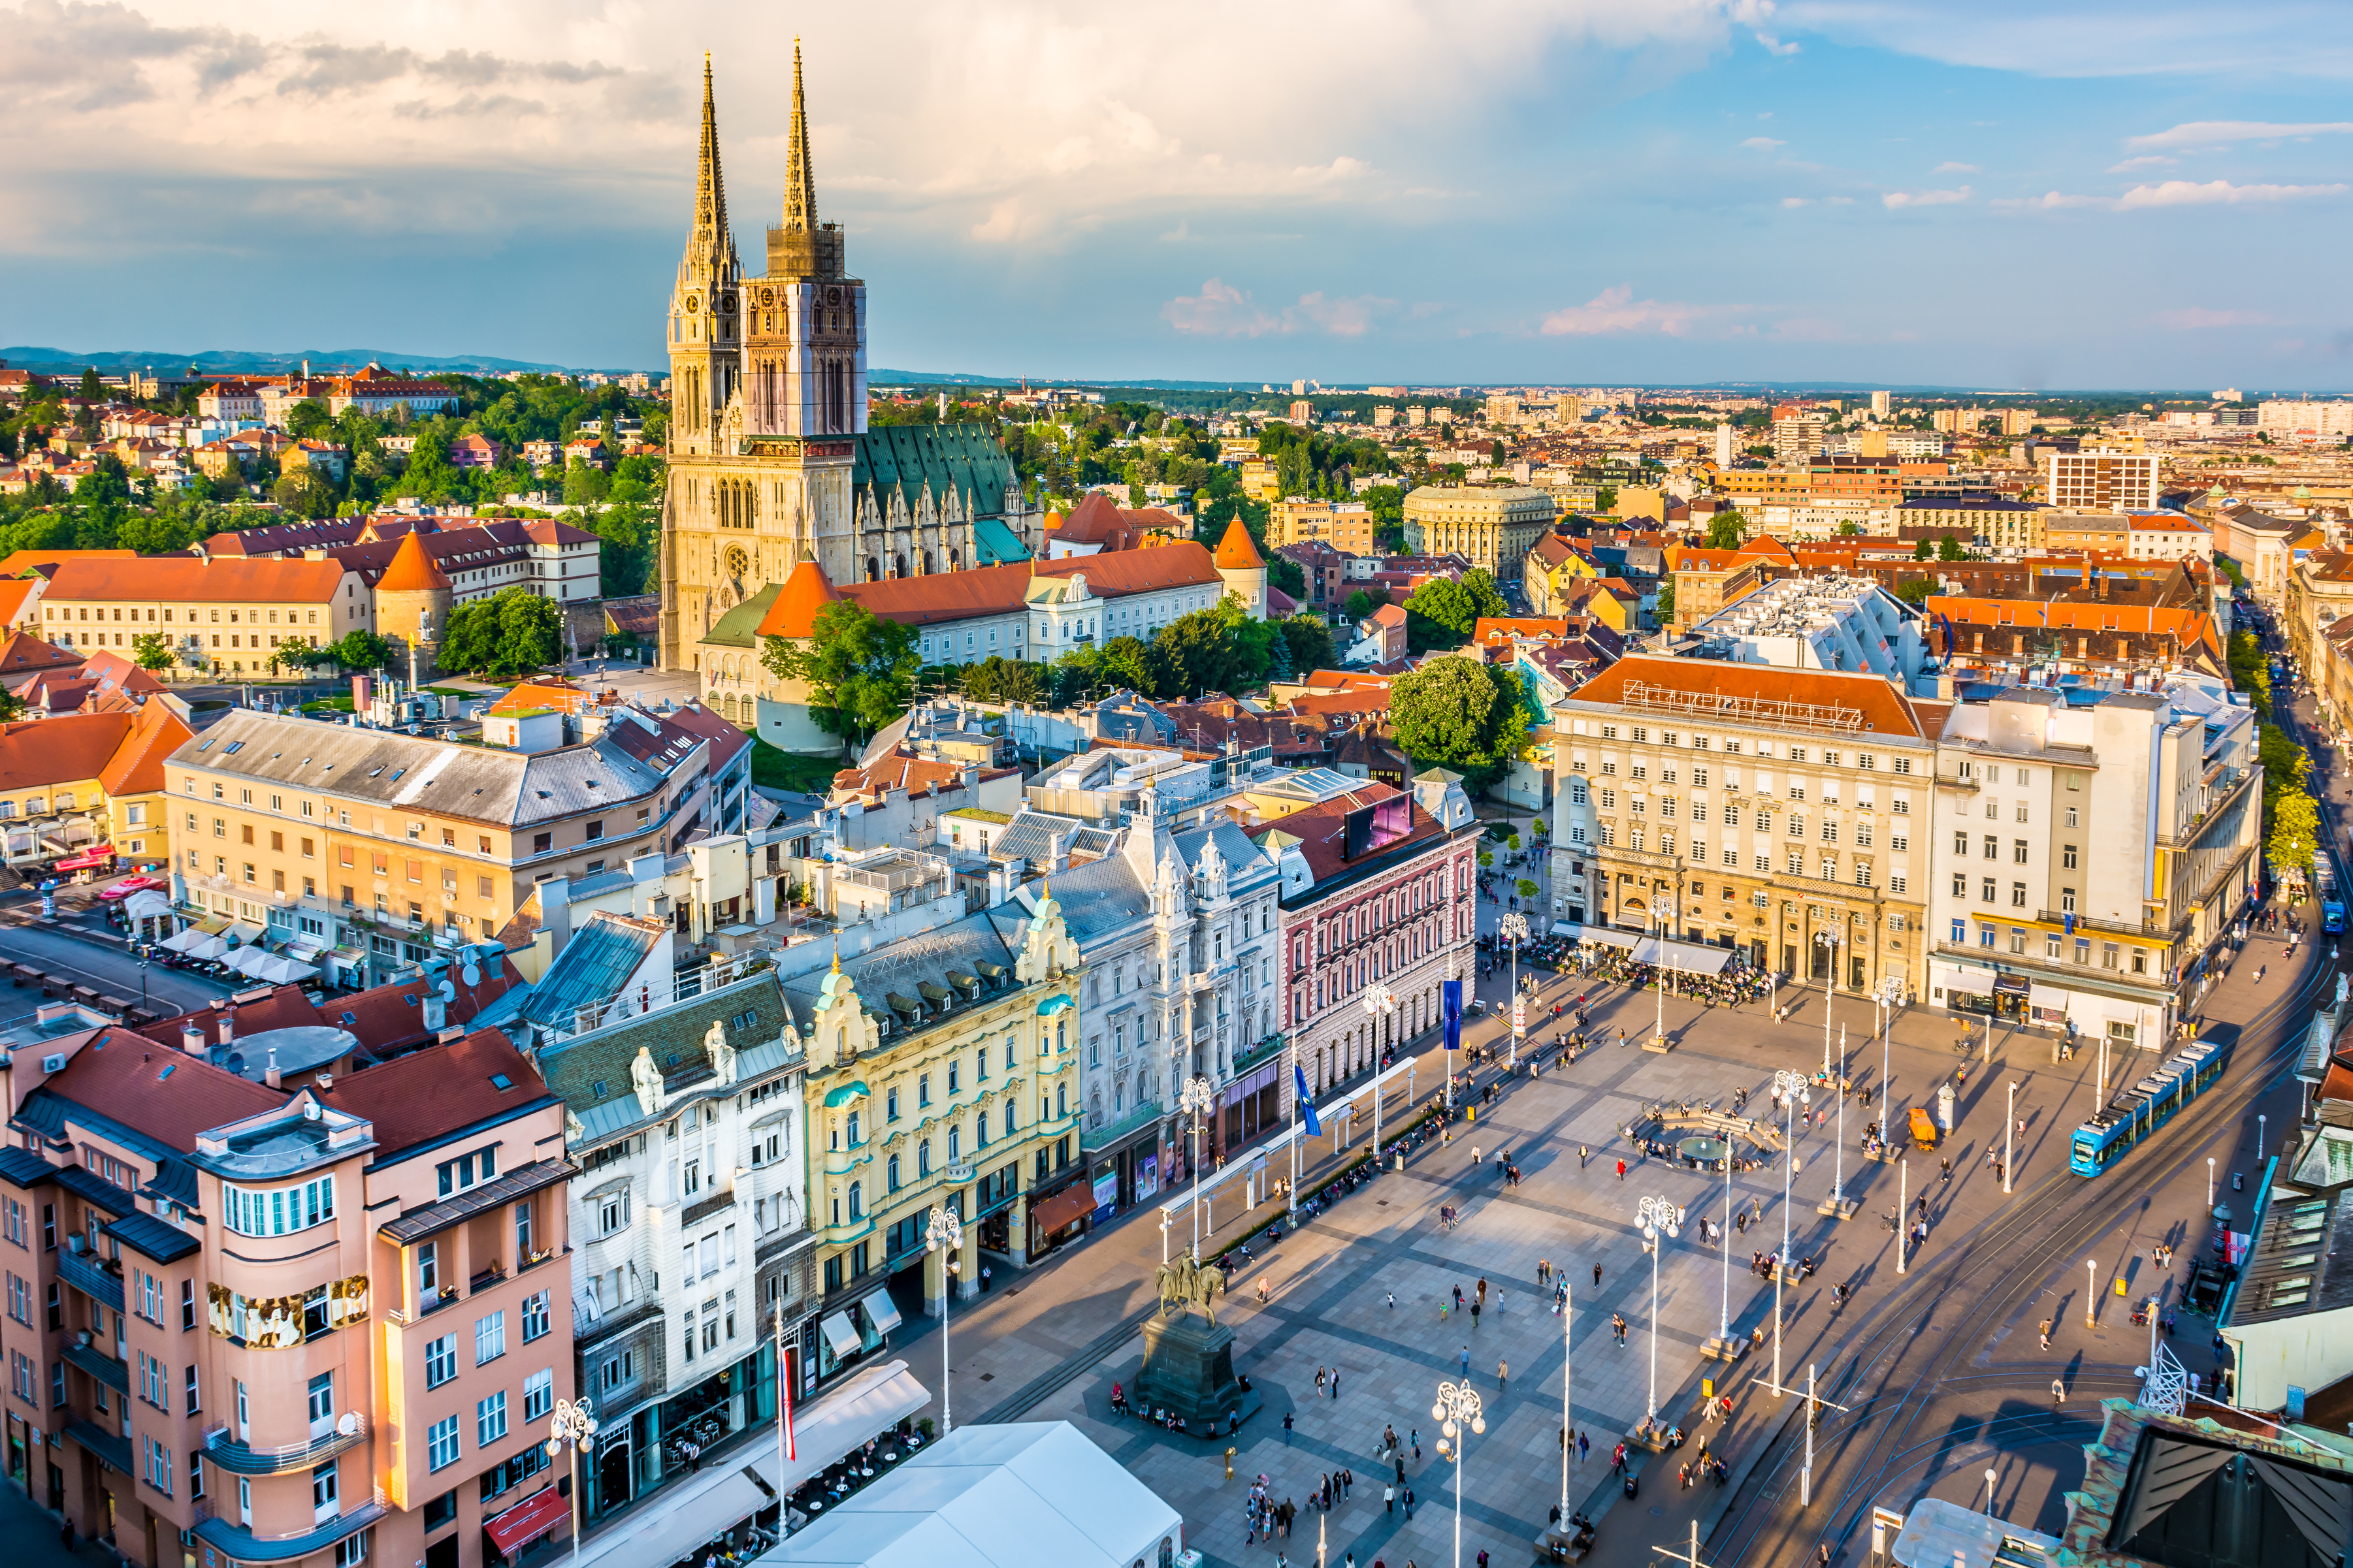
[92, 1277]
[1245, 1060]
[2084, 925]
[249, 1460]
[243, 1546]
[114, 1373]
[1135, 1120]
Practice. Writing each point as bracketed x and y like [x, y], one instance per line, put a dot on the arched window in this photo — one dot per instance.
[857, 1201]
[1061, 1100]
[853, 1130]
[923, 1158]
[955, 1144]
[1057, 1035]
[892, 1169]
[1008, 1118]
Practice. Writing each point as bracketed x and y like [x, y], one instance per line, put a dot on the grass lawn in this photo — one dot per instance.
[328, 704]
[783, 770]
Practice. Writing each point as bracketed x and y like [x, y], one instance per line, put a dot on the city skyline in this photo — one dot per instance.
[1686, 194]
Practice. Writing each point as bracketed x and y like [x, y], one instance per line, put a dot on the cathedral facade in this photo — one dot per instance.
[770, 461]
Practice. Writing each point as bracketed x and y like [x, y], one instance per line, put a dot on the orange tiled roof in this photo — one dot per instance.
[13, 598]
[1235, 551]
[1002, 590]
[2186, 626]
[137, 766]
[1503, 629]
[19, 562]
[40, 752]
[806, 591]
[413, 570]
[21, 652]
[187, 579]
[1884, 709]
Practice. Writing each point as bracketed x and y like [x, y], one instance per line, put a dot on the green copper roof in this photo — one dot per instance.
[963, 458]
[740, 628]
[994, 544]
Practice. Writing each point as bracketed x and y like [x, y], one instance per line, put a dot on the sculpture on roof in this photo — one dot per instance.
[646, 1080]
[1212, 867]
[721, 1054]
[1048, 948]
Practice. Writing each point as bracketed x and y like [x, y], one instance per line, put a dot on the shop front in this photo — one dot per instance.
[1062, 1216]
[848, 1336]
[642, 1450]
[1252, 1104]
[1122, 1162]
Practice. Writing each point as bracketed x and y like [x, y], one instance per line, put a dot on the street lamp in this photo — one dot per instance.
[1458, 1415]
[2009, 1141]
[945, 1235]
[1839, 1204]
[1790, 1093]
[1568, 1407]
[1827, 941]
[1380, 1005]
[1656, 1215]
[574, 1428]
[2090, 1293]
[1889, 996]
[1515, 927]
[1195, 1098]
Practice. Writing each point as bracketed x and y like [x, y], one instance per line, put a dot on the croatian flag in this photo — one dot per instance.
[784, 1404]
[1451, 1003]
[1307, 1106]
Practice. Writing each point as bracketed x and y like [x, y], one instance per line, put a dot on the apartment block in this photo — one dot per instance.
[218, 617]
[254, 1320]
[2101, 480]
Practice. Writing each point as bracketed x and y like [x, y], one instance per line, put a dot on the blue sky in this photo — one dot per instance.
[2003, 194]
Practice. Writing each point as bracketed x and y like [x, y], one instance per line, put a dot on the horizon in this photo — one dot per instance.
[2017, 200]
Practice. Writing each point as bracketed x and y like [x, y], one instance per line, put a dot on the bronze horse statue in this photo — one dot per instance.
[1185, 1283]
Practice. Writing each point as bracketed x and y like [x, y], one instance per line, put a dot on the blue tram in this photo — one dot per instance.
[2146, 1106]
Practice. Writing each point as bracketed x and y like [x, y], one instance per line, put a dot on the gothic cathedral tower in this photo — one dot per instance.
[768, 401]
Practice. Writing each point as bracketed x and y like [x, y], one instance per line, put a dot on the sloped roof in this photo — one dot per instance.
[188, 579]
[961, 459]
[430, 1094]
[22, 653]
[746, 624]
[13, 594]
[1235, 551]
[599, 959]
[154, 1089]
[16, 562]
[413, 570]
[1004, 589]
[805, 590]
[38, 754]
[137, 765]
[1882, 708]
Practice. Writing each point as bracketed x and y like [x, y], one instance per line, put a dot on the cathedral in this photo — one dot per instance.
[771, 463]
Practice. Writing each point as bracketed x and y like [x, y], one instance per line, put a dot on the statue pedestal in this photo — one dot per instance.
[1188, 1367]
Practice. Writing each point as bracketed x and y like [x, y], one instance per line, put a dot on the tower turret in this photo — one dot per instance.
[705, 320]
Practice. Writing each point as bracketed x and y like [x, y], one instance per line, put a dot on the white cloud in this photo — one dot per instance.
[1616, 311]
[2191, 193]
[1222, 310]
[1954, 169]
[2195, 318]
[1894, 200]
[2050, 201]
[1796, 201]
[2221, 132]
[1763, 144]
[2142, 164]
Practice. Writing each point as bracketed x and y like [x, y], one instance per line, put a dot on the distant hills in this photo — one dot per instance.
[248, 362]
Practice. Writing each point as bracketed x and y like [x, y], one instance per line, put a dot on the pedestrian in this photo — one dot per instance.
[1319, 1382]
[1347, 1482]
[1596, 1275]
[1503, 1375]
[1392, 1301]
[1583, 1155]
[2046, 1333]
[1286, 1429]
[1336, 1383]
[2058, 1392]
[1583, 1443]
[1622, 1170]
[1458, 1298]
[1466, 1360]
[1414, 1437]
[1408, 1500]
[1388, 1498]
[1482, 1289]
[983, 1278]
[1474, 1317]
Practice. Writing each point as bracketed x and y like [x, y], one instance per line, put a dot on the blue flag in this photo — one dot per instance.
[1307, 1106]
[1450, 1007]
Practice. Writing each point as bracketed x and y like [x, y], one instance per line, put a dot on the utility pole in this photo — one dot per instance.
[2009, 1141]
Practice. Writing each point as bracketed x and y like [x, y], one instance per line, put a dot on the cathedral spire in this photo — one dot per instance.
[711, 247]
[800, 178]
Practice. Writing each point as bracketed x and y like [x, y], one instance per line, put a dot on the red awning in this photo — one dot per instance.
[1050, 1214]
[528, 1519]
[87, 860]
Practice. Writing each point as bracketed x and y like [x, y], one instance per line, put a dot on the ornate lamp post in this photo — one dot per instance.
[1380, 1005]
[1790, 1093]
[1828, 941]
[573, 1427]
[1194, 1101]
[1838, 1205]
[1654, 1216]
[1515, 927]
[945, 1235]
[1458, 1415]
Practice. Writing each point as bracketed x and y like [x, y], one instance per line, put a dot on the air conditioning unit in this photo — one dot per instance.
[54, 1062]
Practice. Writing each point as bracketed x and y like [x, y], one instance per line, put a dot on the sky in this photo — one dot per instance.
[2029, 194]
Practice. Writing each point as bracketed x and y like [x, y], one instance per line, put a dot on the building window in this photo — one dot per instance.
[280, 1211]
[490, 1338]
[535, 1317]
[441, 1444]
[489, 1419]
[539, 1395]
[440, 1361]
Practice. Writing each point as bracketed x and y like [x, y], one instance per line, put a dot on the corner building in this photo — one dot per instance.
[1773, 812]
[320, 1325]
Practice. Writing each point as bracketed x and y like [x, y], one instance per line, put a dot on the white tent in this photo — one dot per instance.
[184, 940]
[248, 960]
[208, 948]
[994, 1497]
[278, 971]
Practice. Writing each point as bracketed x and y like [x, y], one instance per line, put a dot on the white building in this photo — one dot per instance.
[2167, 536]
[2305, 422]
[1849, 623]
[2101, 480]
[2088, 856]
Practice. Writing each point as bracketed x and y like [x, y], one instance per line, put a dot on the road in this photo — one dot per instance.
[93, 960]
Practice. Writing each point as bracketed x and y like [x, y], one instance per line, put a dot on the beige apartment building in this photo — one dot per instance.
[219, 617]
[1348, 527]
[1781, 813]
[1492, 526]
[315, 1319]
[368, 846]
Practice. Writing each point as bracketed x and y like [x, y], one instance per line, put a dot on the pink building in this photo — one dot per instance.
[274, 1301]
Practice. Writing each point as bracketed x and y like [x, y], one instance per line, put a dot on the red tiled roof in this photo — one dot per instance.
[121, 1074]
[40, 752]
[1503, 629]
[726, 737]
[185, 578]
[1319, 829]
[413, 570]
[21, 652]
[137, 766]
[806, 591]
[1235, 551]
[428, 1094]
[1884, 709]
[1002, 590]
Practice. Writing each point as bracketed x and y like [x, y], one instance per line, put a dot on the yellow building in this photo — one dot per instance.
[944, 1072]
[81, 780]
[1492, 526]
[1259, 481]
[219, 617]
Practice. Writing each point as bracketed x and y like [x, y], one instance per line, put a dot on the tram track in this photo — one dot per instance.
[2041, 1224]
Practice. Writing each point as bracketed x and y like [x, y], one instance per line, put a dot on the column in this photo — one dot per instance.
[936, 1295]
[968, 1263]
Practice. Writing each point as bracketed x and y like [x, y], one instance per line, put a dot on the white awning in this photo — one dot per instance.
[840, 1335]
[184, 940]
[1684, 957]
[700, 1507]
[146, 904]
[881, 1311]
[243, 931]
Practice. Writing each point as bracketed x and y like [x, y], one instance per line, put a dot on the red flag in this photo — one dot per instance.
[784, 1404]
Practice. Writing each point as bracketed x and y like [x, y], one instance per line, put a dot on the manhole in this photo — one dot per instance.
[989, 1378]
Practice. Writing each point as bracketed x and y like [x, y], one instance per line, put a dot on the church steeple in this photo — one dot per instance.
[800, 175]
[706, 339]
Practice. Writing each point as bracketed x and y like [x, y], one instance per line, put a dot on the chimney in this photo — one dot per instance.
[971, 783]
[228, 1028]
[270, 1074]
[191, 1039]
[437, 1010]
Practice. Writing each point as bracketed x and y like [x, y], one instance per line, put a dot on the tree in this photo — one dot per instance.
[1000, 680]
[1725, 530]
[1449, 610]
[1525, 887]
[1924, 550]
[1283, 572]
[1665, 609]
[151, 650]
[859, 669]
[1200, 656]
[1309, 641]
[1460, 714]
[1361, 605]
[1849, 530]
[513, 631]
[2295, 833]
[362, 650]
[91, 392]
[1916, 591]
[1949, 548]
[2250, 672]
[1605, 499]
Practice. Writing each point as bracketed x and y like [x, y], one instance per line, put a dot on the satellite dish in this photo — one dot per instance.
[348, 1423]
[449, 992]
[472, 973]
